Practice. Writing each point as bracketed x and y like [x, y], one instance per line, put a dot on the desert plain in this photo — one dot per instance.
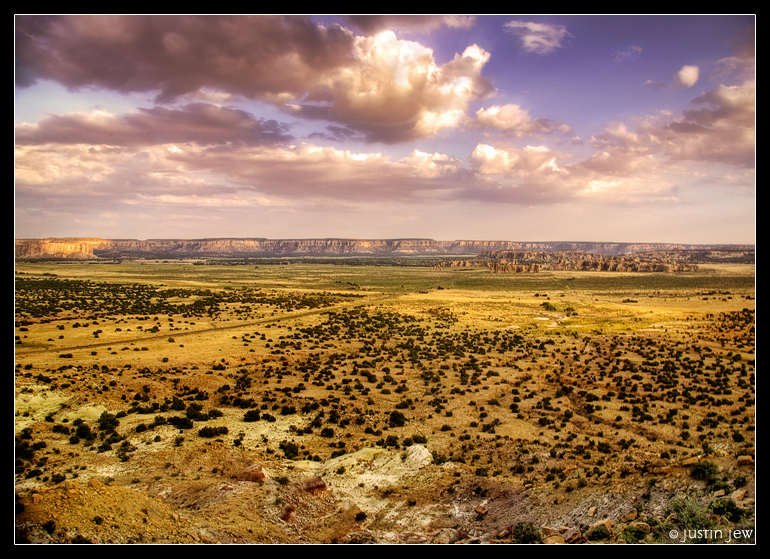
[288, 401]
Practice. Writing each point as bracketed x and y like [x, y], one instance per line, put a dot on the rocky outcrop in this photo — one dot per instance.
[529, 261]
[56, 249]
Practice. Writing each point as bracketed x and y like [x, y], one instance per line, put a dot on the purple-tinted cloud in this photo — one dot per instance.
[199, 123]
[258, 57]
[386, 88]
[371, 23]
[538, 38]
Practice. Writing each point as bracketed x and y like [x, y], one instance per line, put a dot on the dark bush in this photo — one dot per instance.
[83, 431]
[210, 432]
[290, 449]
[108, 422]
[526, 532]
[597, 533]
[181, 422]
[397, 419]
[63, 429]
[703, 470]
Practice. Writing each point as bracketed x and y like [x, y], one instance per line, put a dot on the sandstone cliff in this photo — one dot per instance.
[90, 248]
[72, 249]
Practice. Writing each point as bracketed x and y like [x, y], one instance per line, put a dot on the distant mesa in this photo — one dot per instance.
[506, 253]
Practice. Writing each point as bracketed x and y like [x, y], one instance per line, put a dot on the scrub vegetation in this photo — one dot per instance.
[545, 392]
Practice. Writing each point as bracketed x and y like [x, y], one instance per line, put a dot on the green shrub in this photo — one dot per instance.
[632, 534]
[600, 532]
[728, 509]
[690, 514]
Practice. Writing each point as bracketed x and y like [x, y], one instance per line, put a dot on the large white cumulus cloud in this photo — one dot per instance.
[395, 91]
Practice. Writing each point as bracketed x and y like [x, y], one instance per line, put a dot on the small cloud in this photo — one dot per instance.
[654, 85]
[627, 54]
[687, 76]
[512, 119]
[540, 38]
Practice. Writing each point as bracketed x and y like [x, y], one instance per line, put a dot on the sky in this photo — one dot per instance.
[493, 127]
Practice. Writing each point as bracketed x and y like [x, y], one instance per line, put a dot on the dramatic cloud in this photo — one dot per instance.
[259, 57]
[371, 23]
[687, 76]
[175, 171]
[396, 92]
[540, 38]
[149, 123]
[722, 132]
[389, 89]
[198, 123]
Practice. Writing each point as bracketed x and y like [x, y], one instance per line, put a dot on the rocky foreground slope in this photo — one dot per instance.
[372, 496]
[95, 248]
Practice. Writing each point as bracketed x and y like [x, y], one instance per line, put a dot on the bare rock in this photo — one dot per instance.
[630, 515]
[255, 472]
[575, 537]
[313, 486]
[738, 495]
[288, 512]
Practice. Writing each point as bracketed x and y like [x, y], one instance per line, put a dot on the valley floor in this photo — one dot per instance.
[173, 402]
